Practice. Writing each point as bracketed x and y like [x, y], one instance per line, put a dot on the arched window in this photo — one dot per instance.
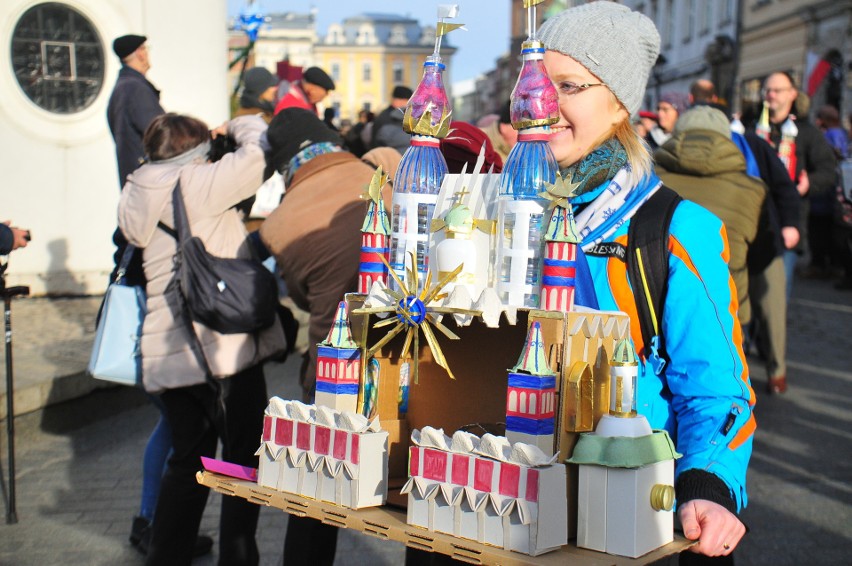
[523, 403]
[533, 404]
[513, 401]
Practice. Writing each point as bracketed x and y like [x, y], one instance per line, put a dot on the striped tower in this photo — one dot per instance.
[531, 396]
[560, 261]
[338, 366]
[375, 237]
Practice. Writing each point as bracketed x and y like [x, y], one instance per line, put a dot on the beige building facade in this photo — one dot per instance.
[367, 55]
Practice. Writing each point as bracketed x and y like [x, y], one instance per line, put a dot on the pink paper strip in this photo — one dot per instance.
[229, 469]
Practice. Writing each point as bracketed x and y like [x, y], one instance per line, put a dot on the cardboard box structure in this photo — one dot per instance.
[330, 464]
[626, 487]
[499, 503]
[579, 347]
[615, 511]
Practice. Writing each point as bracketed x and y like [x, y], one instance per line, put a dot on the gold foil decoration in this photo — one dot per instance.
[424, 126]
[443, 28]
[409, 318]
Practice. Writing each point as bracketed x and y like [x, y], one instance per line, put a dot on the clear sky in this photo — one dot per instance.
[487, 22]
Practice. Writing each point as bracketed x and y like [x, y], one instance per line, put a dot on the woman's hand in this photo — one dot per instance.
[219, 131]
[717, 530]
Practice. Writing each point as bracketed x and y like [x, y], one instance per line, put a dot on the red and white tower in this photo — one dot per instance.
[559, 266]
[375, 237]
[338, 366]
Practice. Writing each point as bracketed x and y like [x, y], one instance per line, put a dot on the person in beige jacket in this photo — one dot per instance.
[200, 409]
[315, 236]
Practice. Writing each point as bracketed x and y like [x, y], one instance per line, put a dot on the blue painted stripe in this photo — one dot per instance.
[337, 389]
[560, 262]
[375, 250]
[530, 426]
[338, 353]
[371, 267]
[531, 381]
[552, 281]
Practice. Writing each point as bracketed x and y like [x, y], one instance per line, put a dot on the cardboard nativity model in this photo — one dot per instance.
[471, 275]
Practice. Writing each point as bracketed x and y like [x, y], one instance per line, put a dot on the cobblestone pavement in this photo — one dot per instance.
[78, 463]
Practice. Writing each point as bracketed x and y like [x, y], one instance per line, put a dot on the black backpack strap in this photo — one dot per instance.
[168, 230]
[648, 269]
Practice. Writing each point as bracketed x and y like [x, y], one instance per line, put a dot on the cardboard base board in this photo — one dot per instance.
[389, 524]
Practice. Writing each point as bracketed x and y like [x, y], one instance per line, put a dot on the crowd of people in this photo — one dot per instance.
[733, 244]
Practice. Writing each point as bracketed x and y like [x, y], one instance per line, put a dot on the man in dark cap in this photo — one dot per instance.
[387, 127]
[307, 92]
[259, 91]
[133, 104]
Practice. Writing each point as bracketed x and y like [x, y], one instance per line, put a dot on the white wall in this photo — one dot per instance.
[59, 176]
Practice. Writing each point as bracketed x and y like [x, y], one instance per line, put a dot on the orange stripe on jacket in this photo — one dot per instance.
[616, 272]
[744, 433]
[737, 337]
[677, 250]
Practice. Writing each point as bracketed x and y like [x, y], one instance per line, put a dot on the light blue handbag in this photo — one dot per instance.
[116, 354]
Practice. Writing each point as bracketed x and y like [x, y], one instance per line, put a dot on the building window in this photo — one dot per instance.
[335, 72]
[670, 23]
[367, 72]
[398, 72]
[58, 58]
[398, 36]
[726, 14]
[705, 17]
[689, 21]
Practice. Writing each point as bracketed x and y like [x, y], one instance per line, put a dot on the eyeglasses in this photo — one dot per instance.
[570, 89]
[766, 91]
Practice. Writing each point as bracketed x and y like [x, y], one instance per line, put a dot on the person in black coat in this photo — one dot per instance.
[387, 127]
[777, 232]
[134, 102]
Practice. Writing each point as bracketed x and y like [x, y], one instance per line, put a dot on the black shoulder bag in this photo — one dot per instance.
[228, 295]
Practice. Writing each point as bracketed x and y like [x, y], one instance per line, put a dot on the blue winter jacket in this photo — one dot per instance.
[703, 397]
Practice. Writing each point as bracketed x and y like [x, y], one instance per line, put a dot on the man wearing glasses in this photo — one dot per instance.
[811, 165]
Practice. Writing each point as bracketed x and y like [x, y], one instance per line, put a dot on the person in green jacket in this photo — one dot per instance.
[702, 164]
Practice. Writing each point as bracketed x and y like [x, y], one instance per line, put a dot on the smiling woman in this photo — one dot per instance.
[692, 387]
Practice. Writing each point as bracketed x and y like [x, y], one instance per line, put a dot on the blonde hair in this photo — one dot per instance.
[638, 153]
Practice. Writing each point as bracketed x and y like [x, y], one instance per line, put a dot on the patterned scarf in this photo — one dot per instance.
[305, 155]
[605, 194]
[599, 166]
[786, 146]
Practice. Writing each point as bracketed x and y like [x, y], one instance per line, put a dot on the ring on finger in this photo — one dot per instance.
[726, 546]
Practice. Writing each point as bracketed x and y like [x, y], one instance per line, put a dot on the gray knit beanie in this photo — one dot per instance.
[616, 44]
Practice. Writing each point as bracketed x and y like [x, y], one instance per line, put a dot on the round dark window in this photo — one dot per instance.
[58, 58]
